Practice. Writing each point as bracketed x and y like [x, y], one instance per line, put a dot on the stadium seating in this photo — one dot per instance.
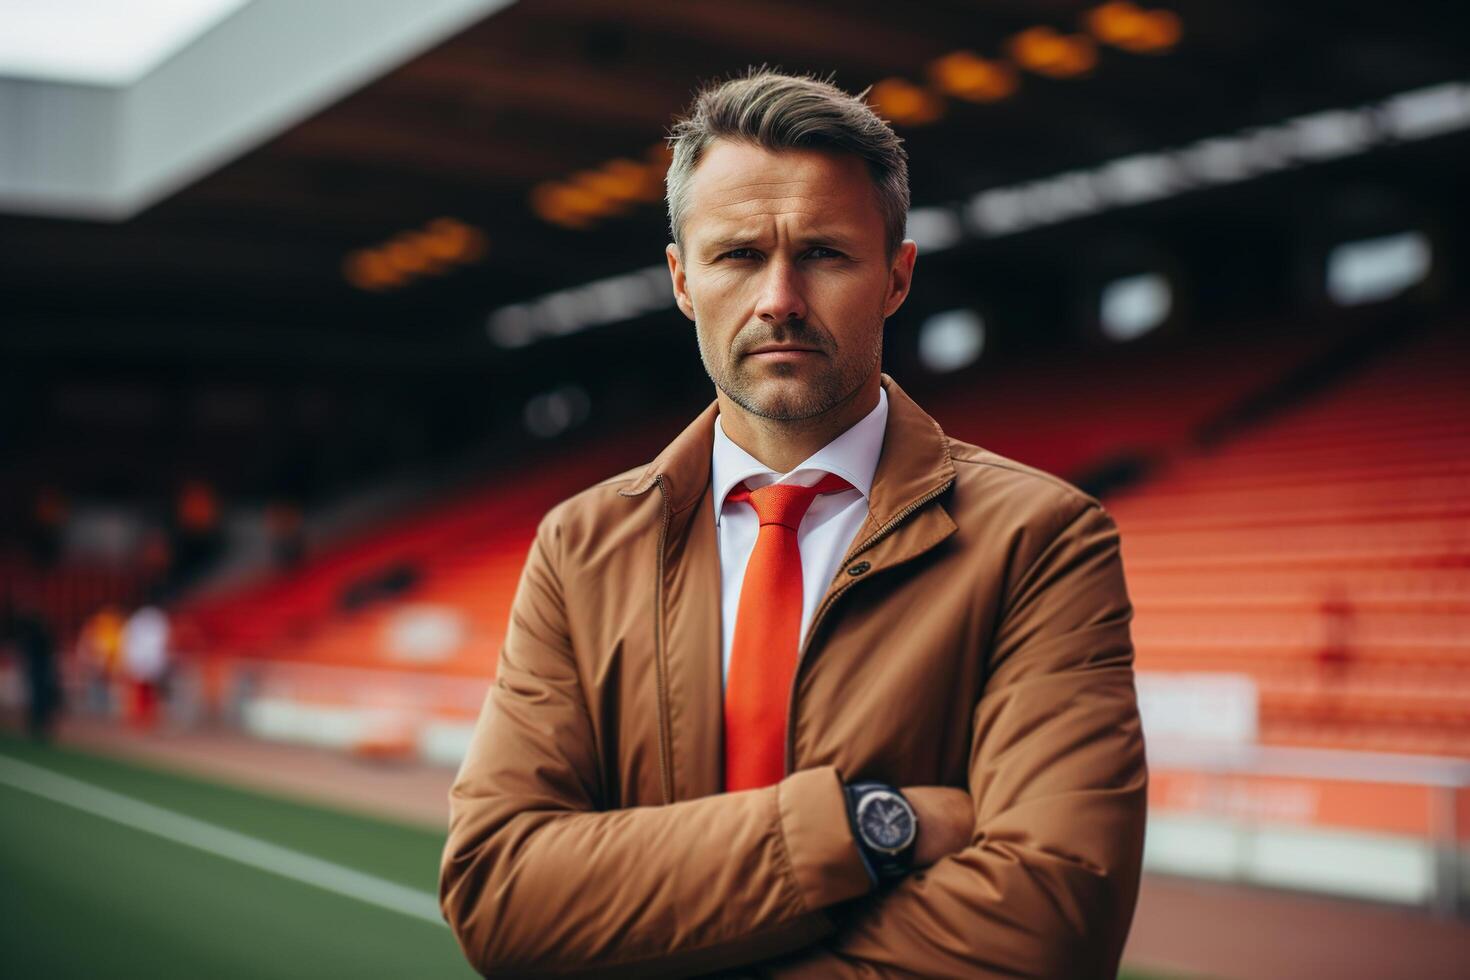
[1066, 413]
[464, 553]
[1326, 553]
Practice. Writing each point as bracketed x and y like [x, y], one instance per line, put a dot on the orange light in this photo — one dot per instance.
[404, 254]
[905, 103]
[451, 240]
[1124, 25]
[428, 249]
[369, 269]
[966, 75]
[422, 252]
[633, 181]
[612, 192]
[561, 205]
[603, 191]
[1044, 51]
[443, 239]
[583, 200]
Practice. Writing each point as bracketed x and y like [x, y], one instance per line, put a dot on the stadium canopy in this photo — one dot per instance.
[107, 107]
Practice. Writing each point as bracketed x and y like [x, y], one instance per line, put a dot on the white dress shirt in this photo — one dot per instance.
[828, 528]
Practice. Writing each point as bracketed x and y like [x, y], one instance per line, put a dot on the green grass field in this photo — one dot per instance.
[84, 895]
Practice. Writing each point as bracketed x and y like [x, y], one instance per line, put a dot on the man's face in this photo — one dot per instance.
[786, 249]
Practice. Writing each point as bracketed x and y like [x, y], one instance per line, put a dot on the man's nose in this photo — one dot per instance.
[781, 296]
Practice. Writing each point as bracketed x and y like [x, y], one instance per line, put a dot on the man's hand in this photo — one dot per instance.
[946, 821]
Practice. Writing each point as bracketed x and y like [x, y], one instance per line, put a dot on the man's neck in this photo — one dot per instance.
[783, 445]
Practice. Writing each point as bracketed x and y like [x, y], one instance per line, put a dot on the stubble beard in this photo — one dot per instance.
[840, 377]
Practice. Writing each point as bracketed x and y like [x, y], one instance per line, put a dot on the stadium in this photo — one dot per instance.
[310, 313]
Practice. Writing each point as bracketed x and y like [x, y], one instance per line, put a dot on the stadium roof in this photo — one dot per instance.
[307, 236]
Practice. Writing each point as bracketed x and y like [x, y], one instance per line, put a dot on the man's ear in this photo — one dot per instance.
[676, 275]
[900, 276]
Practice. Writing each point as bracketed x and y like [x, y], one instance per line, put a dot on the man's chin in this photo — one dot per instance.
[785, 399]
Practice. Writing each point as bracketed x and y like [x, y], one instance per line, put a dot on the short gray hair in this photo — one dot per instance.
[786, 112]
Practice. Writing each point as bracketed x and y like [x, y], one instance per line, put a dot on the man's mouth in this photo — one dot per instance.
[778, 353]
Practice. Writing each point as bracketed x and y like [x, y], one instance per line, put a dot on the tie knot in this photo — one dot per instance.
[786, 503]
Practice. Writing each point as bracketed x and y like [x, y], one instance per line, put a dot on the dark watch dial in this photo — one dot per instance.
[885, 822]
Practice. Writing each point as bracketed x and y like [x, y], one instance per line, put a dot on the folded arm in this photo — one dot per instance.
[1057, 773]
[538, 879]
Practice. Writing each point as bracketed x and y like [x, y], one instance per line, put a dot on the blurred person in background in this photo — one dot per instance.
[146, 659]
[99, 651]
[26, 632]
[664, 779]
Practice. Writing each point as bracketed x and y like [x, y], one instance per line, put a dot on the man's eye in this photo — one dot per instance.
[739, 253]
[823, 252]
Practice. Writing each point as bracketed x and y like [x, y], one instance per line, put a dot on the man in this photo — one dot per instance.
[819, 691]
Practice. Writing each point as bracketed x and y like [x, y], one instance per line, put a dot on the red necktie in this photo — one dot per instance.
[767, 635]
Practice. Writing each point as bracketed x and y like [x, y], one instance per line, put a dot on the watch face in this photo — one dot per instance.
[885, 821]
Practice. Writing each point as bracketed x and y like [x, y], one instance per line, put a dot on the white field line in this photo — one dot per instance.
[212, 839]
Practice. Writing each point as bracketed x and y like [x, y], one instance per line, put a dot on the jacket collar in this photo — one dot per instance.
[915, 460]
[853, 455]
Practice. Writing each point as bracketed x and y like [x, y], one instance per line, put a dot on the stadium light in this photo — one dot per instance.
[934, 229]
[951, 340]
[1124, 25]
[451, 240]
[1045, 52]
[904, 103]
[1219, 160]
[1133, 306]
[566, 311]
[603, 191]
[429, 251]
[966, 75]
[1376, 269]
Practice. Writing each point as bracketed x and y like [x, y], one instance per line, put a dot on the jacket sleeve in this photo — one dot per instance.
[538, 880]
[1057, 772]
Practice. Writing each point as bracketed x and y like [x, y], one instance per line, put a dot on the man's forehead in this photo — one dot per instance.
[753, 208]
[737, 188]
[727, 167]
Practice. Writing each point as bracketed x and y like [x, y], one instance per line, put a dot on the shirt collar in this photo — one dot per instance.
[853, 455]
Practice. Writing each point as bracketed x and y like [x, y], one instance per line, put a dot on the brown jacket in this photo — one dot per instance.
[977, 636]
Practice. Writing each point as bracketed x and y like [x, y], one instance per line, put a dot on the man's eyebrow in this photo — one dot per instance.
[828, 238]
[833, 238]
[731, 241]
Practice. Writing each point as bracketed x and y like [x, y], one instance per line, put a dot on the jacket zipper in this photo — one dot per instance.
[827, 604]
[664, 738]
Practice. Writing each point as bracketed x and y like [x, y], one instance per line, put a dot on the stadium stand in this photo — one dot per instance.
[1326, 554]
[1073, 413]
[281, 616]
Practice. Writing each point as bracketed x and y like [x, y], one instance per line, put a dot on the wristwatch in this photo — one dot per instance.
[885, 827]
